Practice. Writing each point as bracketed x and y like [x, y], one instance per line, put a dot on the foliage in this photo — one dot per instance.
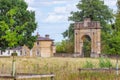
[97, 11]
[70, 34]
[60, 47]
[87, 46]
[16, 24]
[105, 63]
[97, 76]
[14, 54]
[88, 64]
[64, 47]
[113, 40]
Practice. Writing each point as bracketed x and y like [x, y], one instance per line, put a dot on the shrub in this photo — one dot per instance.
[104, 63]
[88, 64]
[14, 54]
[108, 63]
[101, 63]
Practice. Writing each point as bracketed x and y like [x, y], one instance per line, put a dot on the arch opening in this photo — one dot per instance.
[86, 48]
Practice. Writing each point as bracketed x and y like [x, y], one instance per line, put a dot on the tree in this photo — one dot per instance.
[64, 47]
[114, 38]
[94, 9]
[16, 24]
[114, 41]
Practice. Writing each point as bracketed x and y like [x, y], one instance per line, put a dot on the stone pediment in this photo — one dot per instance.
[87, 24]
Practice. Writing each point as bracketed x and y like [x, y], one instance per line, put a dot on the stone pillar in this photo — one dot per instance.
[75, 42]
[77, 46]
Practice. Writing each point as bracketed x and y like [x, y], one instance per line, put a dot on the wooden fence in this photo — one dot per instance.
[98, 69]
[27, 76]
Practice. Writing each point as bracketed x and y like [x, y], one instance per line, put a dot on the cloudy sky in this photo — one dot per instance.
[52, 15]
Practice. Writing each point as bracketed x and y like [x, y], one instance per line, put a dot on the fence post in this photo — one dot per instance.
[79, 70]
[13, 68]
[2, 71]
[52, 77]
[15, 79]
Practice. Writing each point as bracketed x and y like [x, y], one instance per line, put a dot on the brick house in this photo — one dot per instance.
[43, 47]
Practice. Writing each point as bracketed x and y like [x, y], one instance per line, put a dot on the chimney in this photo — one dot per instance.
[47, 36]
[38, 35]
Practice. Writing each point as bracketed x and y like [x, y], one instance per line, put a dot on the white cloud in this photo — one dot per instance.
[31, 8]
[29, 2]
[59, 2]
[55, 18]
[60, 14]
[110, 2]
[52, 2]
[65, 9]
[60, 10]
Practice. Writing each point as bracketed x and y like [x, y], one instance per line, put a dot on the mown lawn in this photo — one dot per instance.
[63, 68]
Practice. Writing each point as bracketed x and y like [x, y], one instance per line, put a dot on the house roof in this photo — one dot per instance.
[16, 48]
[44, 39]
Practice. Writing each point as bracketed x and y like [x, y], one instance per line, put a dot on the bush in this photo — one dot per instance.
[108, 63]
[64, 47]
[14, 54]
[88, 64]
[105, 63]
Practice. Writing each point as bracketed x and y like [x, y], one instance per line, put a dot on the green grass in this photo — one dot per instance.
[63, 68]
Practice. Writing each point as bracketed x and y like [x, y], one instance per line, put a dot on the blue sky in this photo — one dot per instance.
[52, 15]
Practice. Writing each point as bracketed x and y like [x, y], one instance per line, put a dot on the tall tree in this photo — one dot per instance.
[94, 9]
[114, 38]
[16, 24]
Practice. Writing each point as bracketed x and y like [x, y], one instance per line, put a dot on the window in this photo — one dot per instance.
[37, 42]
[25, 53]
[21, 52]
[38, 53]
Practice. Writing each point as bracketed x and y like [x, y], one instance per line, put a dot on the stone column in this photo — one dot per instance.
[75, 41]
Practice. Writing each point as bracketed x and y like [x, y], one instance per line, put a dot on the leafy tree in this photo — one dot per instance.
[64, 47]
[16, 24]
[60, 47]
[114, 41]
[94, 9]
[114, 38]
[70, 34]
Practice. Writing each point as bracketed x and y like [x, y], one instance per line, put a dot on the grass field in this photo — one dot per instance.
[63, 68]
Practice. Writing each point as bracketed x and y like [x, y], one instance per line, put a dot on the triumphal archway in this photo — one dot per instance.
[91, 29]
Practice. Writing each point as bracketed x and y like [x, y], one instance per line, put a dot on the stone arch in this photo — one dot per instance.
[86, 40]
[93, 30]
